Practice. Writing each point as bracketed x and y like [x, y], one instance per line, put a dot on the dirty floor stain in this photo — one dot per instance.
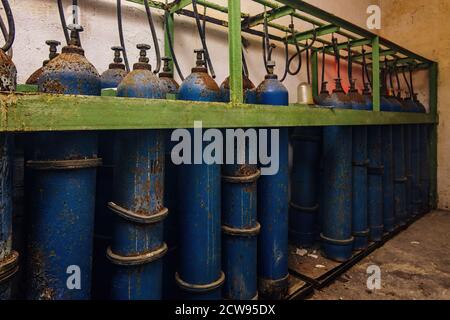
[415, 265]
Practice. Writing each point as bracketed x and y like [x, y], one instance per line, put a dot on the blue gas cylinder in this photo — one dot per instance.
[248, 87]
[399, 169]
[137, 207]
[337, 238]
[8, 257]
[360, 163]
[387, 222]
[239, 213]
[170, 89]
[407, 107]
[323, 100]
[101, 268]
[62, 172]
[199, 205]
[375, 174]
[424, 160]
[273, 201]
[304, 203]
[116, 71]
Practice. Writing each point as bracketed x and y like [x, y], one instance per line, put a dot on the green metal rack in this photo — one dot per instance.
[26, 111]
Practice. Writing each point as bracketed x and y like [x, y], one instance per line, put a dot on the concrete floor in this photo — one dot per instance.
[415, 265]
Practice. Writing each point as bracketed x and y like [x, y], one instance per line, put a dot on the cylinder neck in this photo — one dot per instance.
[143, 63]
[338, 88]
[324, 89]
[167, 72]
[270, 70]
[117, 62]
[200, 64]
[366, 90]
[74, 45]
[352, 88]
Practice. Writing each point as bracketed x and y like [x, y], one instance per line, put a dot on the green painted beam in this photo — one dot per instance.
[331, 18]
[153, 4]
[39, 112]
[184, 3]
[27, 88]
[235, 51]
[320, 31]
[382, 53]
[353, 43]
[433, 143]
[271, 15]
[376, 73]
[303, 17]
[171, 29]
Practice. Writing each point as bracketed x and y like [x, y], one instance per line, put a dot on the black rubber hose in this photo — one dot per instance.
[323, 65]
[3, 28]
[202, 38]
[308, 72]
[122, 41]
[300, 51]
[244, 64]
[411, 83]
[172, 51]
[407, 83]
[391, 80]
[11, 26]
[337, 57]
[63, 21]
[286, 63]
[399, 87]
[265, 43]
[350, 62]
[365, 69]
[154, 36]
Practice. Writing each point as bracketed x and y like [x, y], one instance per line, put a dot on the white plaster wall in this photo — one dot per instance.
[38, 20]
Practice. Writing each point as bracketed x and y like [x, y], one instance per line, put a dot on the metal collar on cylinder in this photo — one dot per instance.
[137, 260]
[200, 287]
[64, 164]
[247, 179]
[137, 217]
[9, 266]
[250, 232]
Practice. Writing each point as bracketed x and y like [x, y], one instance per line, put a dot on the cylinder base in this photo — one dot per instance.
[337, 250]
[273, 289]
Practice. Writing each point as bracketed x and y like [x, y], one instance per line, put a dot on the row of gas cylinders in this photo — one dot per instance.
[109, 216]
[96, 205]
